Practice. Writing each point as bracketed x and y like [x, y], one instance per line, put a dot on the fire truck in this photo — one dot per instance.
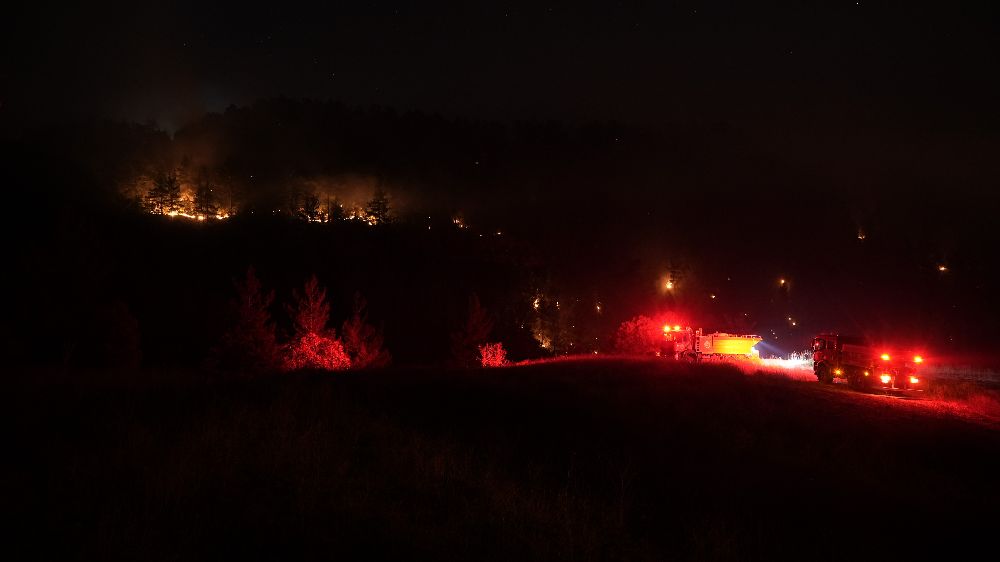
[863, 365]
[694, 345]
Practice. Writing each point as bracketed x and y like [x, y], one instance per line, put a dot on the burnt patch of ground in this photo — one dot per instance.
[599, 459]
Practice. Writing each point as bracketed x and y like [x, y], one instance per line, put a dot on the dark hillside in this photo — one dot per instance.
[577, 460]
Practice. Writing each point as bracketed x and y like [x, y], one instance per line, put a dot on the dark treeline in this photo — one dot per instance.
[592, 215]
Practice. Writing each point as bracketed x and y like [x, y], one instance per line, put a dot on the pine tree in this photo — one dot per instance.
[378, 208]
[310, 209]
[362, 341]
[313, 346]
[335, 209]
[165, 194]
[310, 312]
[465, 343]
[250, 345]
[204, 199]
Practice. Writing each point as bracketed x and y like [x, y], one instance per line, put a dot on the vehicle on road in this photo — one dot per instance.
[865, 366]
[693, 344]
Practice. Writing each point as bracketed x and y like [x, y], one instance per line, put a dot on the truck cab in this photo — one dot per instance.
[864, 365]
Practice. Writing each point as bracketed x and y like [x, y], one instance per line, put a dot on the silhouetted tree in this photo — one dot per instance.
[363, 341]
[377, 208]
[310, 207]
[165, 193]
[335, 209]
[250, 345]
[205, 201]
[465, 342]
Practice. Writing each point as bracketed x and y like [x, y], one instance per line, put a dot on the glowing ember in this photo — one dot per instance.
[186, 215]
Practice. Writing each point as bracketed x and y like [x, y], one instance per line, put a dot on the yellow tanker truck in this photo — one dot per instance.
[694, 345]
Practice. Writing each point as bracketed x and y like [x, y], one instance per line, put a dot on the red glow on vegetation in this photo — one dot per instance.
[313, 351]
[493, 355]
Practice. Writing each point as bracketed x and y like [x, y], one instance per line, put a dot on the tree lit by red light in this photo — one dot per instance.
[313, 346]
[493, 355]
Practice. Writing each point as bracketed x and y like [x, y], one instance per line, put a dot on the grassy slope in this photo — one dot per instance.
[569, 460]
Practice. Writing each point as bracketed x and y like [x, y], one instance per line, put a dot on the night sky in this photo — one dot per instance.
[782, 66]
